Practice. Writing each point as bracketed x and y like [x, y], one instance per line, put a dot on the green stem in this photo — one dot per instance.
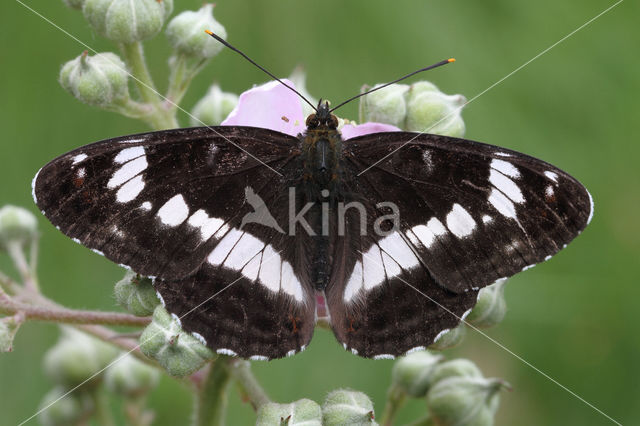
[395, 400]
[241, 372]
[183, 70]
[102, 411]
[16, 253]
[212, 399]
[160, 117]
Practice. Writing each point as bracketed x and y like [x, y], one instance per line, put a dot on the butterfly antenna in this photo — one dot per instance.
[439, 64]
[224, 42]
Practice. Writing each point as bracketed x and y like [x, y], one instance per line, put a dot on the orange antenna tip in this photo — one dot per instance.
[208, 32]
[451, 60]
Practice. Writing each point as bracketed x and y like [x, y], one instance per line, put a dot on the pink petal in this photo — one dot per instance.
[265, 106]
[350, 131]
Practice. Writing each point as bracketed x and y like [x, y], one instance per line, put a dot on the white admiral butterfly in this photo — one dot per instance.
[197, 210]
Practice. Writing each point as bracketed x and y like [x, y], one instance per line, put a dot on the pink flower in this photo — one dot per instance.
[275, 107]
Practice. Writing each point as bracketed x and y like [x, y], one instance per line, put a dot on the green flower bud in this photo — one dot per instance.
[455, 368]
[59, 409]
[413, 373]
[74, 4]
[346, 407]
[386, 105]
[178, 352]
[449, 338]
[431, 111]
[302, 412]
[100, 80]
[214, 107]
[130, 377]
[136, 294]
[17, 225]
[126, 21]
[299, 78]
[491, 306]
[462, 401]
[186, 33]
[76, 357]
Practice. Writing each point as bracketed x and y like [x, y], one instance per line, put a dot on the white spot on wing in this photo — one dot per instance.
[398, 249]
[258, 358]
[127, 171]
[416, 349]
[161, 299]
[354, 351]
[33, 187]
[133, 140]
[487, 219]
[173, 212]
[505, 168]
[384, 356]
[390, 266]
[503, 154]
[96, 251]
[439, 335]
[224, 247]
[548, 191]
[228, 352]
[129, 154]
[465, 315]
[292, 352]
[372, 270]
[208, 225]
[146, 206]
[501, 203]
[270, 269]
[548, 257]
[506, 185]
[177, 320]
[528, 267]
[460, 222]
[290, 283]
[199, 337]
[79, 158]
[130, 190]
[354, 284]
[591, 206]
[252, 268]
[424, 234]
[551, 175]
[247, 247]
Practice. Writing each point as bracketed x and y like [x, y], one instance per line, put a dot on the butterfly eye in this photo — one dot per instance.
[333, 122]
[312, 121]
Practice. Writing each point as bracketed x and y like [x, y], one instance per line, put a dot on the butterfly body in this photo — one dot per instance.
[400, 231]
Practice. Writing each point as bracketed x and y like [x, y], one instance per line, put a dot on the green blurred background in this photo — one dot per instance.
[575, 317]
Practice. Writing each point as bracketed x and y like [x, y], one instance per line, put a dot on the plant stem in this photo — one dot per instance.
[160, 118]
[183, 70]
[17, 256]
[212, 399]
[250, 388]
[102, 411]
[395, 400]
[8, 306]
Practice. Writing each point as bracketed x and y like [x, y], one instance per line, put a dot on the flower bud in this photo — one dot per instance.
[464, 401]
[299, 79]
[136, 294]
[346, 407]
[214, 107]
[413, 373]
[130, 377]
[455, 368]
[491, 306]
[303, 411]
[386, 105]
[125, 21]
[16, 225]
[74, 4]
[177, 351]
[76, 357]
[186, 33]
[431, 111]
[62, 408]
[99, 80]
[449, 338]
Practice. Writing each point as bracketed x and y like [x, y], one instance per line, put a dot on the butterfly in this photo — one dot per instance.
[203, 211]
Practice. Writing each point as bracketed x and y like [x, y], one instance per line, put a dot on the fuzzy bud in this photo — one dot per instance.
[8, 329]
[100, 80]
[431, 111]
[302, 412]
[455, 368]
[76, 357]
[17, 225]
[125, 21]
[413, 373]
[458, 401]
[60, 408]
[130, 377]
[74, 4]
[386, 105]
[177, 351]
[346, 407]
[214, 107]
[136, 294]
[186, 33]
[449, 338]
[491, 306]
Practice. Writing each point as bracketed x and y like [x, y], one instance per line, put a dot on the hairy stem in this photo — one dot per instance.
[249, 387]
[16, 253]
[160, 118]
[183, 70]
[212, 399]
[395, 400]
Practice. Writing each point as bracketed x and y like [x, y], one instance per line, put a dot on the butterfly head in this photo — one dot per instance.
[322, 117]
